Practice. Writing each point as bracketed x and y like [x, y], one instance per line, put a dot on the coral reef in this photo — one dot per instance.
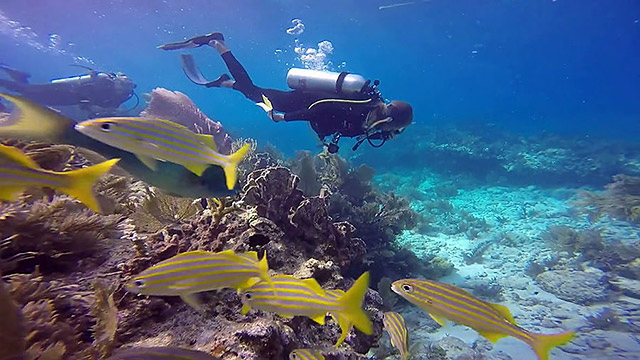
[620, 199]
[580, 287]
[489, 153]
[176, 106]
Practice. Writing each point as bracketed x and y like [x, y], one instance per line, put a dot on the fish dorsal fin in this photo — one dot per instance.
[438, 319]
[150, 162]
[207, 140]
[493, 337]
[504, 311]
[195, 252]
[252, 255]
[319, 318]
[165, 122]
[16, 156]
[227, 253]
[313, 284]
[197, 169]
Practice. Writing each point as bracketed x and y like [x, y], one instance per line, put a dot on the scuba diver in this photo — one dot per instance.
[95, 89]
[335, 104]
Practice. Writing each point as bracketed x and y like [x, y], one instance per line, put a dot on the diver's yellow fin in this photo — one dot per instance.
[493, 337]
[351, 303]
[80, 182]
[14, 155]
[440, 321]
[319, 318]
[231, 168]
[29, 120]
[149, 161]
[208, 141]
[11, 193]
[543, 343]
[504, 311]
[197, 169]
[266, 104]
[192, 300]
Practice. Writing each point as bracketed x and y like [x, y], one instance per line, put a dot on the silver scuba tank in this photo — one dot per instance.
[314, 80]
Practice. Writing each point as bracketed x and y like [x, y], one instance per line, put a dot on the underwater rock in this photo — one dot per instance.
[628, 287]
[579, 287]
[178, 107]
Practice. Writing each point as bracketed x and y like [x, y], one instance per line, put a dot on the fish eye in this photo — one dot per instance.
[105, 126]
[293, 356]
[247, 296]
[138, 283]
[407, 288]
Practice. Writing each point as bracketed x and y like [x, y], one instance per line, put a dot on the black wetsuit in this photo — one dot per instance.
[327, 113]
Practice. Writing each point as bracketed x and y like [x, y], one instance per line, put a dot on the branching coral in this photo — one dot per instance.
[621, 199]
[160, 210]
[105, 312]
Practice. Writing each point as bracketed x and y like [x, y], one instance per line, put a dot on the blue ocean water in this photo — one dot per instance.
[565, 66]
[505, 93]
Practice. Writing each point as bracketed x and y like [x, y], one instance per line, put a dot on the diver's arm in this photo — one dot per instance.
[300, 115]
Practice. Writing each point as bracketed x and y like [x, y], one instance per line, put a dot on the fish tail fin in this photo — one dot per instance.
[352, 306]
[81, 183]
[543, 343]
[231, 169]
[31, 121]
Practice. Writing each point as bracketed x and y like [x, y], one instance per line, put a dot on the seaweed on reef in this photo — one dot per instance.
[13, 332]
[56, 318]
[56, 236]
[620, 199]
[105, 312]
[589, 243]
[159, 210]
[306, 171]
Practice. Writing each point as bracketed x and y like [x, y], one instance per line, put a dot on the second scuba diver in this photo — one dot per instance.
[334, 104]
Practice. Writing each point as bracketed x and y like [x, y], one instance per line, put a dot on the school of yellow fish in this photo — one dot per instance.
[187, 274]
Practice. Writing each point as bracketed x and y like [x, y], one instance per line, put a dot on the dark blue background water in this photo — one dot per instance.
[566, 66]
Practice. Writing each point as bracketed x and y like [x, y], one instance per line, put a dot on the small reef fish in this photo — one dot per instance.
[289, 296]
[30, 121]
[157, 139]
[160, 353]
[306, 354]
[17, 172]
[493, 321]
[397, 330]
[193, 272]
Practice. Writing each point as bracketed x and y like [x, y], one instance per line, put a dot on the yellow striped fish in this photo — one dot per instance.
[493, 321]
[397, 330]
[193, 272]
[157, 139]
[18, 172]
[161, 353]
[306, 354]
[288, 296]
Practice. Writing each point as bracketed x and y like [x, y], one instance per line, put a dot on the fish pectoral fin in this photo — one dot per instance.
[319, 318]
[197, 169]
[245, 309]
[504, 311]
[11, 193]
[439, 320]
[192, 300]
[149, 161]
[493, 337]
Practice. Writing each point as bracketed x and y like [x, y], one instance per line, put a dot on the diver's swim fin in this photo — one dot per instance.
[193, 73]
[16, 75]
[194, 42]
